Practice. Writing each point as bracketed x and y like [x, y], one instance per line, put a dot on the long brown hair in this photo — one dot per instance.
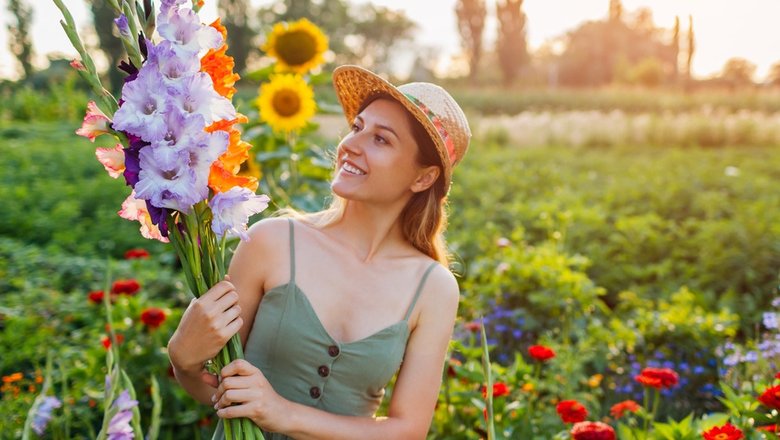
[423, 219]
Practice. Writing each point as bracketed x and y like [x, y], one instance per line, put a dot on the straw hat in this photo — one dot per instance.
[430, 104]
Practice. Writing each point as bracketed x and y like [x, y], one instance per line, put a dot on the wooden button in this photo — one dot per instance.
[333, 350]
[323, 371]
[314, 392]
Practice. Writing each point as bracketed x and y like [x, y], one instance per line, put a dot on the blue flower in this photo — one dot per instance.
[44, 413]
[232, 208]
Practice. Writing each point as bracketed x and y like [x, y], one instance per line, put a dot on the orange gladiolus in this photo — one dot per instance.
[219, 65]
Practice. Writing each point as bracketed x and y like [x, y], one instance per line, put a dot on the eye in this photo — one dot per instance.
[355, 127]
[380, 139]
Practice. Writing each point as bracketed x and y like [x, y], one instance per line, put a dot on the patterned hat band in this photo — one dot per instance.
[437, 122]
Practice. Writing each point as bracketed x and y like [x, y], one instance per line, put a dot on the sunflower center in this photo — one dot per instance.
[286, 102]
[296, 47]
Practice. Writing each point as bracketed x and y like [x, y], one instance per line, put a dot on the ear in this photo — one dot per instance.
[426, 177]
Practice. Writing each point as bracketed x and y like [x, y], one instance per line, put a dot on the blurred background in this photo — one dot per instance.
[619, 204]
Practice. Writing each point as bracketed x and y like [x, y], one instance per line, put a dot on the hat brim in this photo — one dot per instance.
[355, 84]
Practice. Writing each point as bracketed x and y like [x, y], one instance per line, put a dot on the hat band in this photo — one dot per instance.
[439, 125]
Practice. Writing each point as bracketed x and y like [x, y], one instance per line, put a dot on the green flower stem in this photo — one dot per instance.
[656, 399]
[133, 51]
[645, 403]
[491, 428]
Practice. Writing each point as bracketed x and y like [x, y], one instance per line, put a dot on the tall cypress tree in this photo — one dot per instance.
[511, 45]
[19, 40]
[691, 48]
[471, 22]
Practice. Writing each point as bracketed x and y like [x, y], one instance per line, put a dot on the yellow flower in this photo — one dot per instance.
[595, 380]
[286, 103]
[298, 46]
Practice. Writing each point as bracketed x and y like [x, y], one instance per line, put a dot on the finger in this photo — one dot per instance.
[230, 315]
[234, 411]
[231, 397]
[218, 290]
[209, 379]
[227, 300]
[234, 383]
[240, 367]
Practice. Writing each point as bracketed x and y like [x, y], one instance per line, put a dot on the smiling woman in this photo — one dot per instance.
[323, 340]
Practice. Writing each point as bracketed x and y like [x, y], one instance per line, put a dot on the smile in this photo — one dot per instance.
[351, 169]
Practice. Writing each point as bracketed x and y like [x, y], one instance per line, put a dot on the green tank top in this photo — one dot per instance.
[304, 364]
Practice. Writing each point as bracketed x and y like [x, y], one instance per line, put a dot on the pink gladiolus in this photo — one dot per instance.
[135, 209]
[95, 123]
[113, 160]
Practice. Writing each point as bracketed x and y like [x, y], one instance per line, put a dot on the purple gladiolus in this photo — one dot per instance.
[119, 427]
[167, 181]
[195, 94]
[172, 67]
[44, 414]
[232, 208]
[143, 101]
[183, 28]
[123, 26]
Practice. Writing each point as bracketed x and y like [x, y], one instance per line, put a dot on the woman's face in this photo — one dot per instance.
[377, 160]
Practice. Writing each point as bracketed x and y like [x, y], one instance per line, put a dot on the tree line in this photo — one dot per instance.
[621, 48]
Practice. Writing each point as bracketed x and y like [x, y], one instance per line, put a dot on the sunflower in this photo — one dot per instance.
[298, 46]
[286, 103]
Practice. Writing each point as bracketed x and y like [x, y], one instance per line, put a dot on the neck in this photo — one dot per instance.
[370, 230]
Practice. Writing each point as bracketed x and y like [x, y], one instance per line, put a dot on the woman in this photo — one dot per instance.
[328, 305]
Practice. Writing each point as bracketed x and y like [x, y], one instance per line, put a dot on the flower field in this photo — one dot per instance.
[625, 291]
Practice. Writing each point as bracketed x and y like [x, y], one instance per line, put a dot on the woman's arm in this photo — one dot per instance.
[414, 396]
[227, 308]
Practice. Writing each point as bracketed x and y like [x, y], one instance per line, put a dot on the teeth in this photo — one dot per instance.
[350, 169]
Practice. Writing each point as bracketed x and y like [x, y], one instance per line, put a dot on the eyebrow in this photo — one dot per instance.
[383, 127]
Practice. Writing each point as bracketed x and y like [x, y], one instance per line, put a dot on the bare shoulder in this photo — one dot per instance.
[269, 233]
[440, 294]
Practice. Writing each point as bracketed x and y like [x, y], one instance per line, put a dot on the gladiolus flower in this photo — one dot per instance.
[232, 208]
[619, 409]
[119, 427]
[771, 397]
[43, 414]
[136, 253]
[125, 287]
[657, 378]
[153, 317]
[725, 432]
[96, 296]
[541, 353]
[136, 209]
[592, 431]
[500, 389]
[571, 411]
[112, 159]
[95, 123]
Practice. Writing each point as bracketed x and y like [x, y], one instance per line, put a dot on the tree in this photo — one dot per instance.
[691, 48]
[236, 15]
[773, 78]
[19, 40]
[615, 10]
[471, 22]
[738, 72]
[675, 50]
[511, 45]
[110, 43]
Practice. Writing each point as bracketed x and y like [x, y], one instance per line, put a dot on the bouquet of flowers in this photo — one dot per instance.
[176, 142]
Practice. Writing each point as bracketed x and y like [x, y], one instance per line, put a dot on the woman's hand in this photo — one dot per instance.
[205, 327]
[245, 392]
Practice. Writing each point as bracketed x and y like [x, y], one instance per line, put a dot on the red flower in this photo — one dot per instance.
[571, 411]
[136, 253]
[125, 287]
[106, 340]
[541, 353]
[96, 296]
[499, 389]
[771, 397]
[451, 367]
[777, 376]
[619, 409]
[657, 378]
[472, 326]
[592, 431]
[725, 432]
[767, 428]
[153, 317]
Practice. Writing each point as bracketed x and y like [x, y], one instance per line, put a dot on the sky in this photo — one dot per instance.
[723, 28]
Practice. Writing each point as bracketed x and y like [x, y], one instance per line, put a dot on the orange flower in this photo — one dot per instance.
[619, 409]
[106, 340]
[11, 378]
[725, 432]
[219, 65]
[224, 173]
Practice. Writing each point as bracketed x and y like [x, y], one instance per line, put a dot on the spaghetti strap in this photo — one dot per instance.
[292, 251]
[419, 290]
